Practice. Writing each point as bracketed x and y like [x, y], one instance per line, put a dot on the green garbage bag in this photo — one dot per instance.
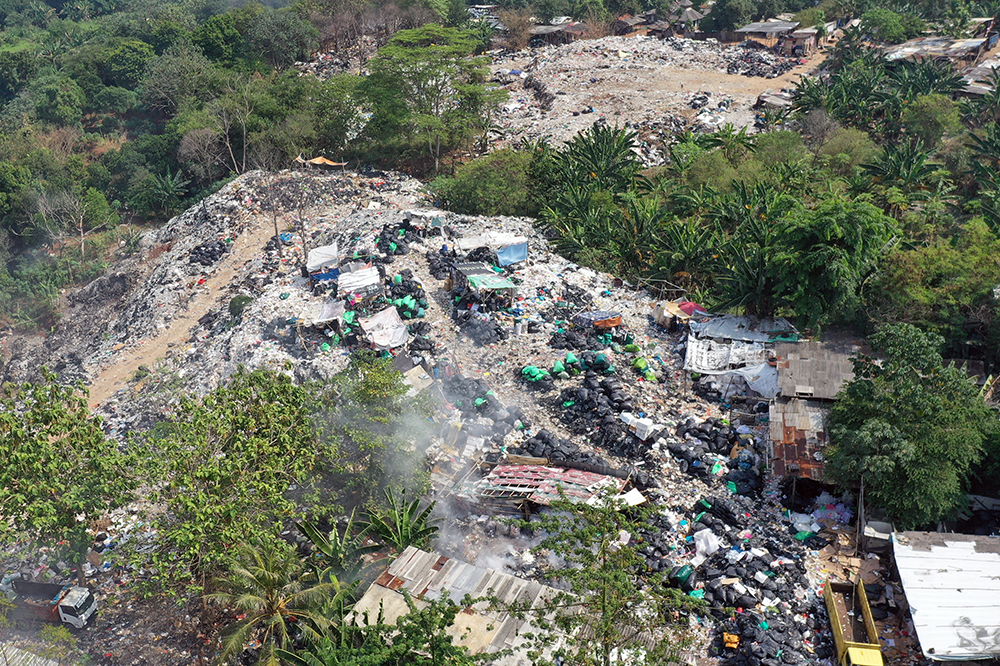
[632, 349]
[397, 279]
[349, 317]
[802, 536]
[649, 376]
[569, 403]
[731, 486]
[571, 358]
[480, 402]
[558, 367]
[697, 594]
[393, 246]
[640, 363]
[324, 347]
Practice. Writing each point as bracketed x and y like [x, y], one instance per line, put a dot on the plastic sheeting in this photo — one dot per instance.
[321, 257]
[762, 378]
[599, 318]
[327, 311]
[491, 282]
[385, 330]
[711, 357]
[358, 280]
[512, 254]
[743, 328]
[490, 239]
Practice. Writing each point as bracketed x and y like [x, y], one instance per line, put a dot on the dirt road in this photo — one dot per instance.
[115, 376]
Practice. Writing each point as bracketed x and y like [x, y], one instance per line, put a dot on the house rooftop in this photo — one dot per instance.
[952, 584]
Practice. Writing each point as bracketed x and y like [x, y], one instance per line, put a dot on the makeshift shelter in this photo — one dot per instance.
[514, 489]
[598, 319]
[385, 330]
[809, 376]
[509, 248]
[952, 585]
[360, 285]
[665, 311]
[767, 32]
[724, 343]
[321, 162]
[326, 313]
[322, 257]
[427, 576]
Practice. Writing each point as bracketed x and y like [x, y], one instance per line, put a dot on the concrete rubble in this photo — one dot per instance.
[613, 399]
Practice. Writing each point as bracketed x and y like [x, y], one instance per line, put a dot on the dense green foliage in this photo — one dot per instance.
[909, 429]
[58, 467]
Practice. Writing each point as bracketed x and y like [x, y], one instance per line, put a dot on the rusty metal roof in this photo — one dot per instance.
[482, 629]
[798, 436]
[539, 484]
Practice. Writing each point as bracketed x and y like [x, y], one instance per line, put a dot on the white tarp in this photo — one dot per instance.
[711, 357]
[321, 257]
[742, 327]
[761, 378]
[358, 280]
[385, 330]
[324, 313]
[491, 239]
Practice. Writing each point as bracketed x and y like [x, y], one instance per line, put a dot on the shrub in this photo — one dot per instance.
[495, 184]
[846, 149]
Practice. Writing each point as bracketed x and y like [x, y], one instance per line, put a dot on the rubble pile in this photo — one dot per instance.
[558, 91]
[750, 62]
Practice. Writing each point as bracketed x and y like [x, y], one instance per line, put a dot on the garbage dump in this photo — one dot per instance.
[516, 374]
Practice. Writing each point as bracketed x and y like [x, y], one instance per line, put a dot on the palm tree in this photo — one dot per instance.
[601, 157]
[266, 584]
[337, 553]
[403, 524]
[687, 254]
[734, 145]
[635, 235]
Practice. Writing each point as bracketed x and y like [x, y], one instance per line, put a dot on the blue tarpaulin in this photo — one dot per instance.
[511, 254]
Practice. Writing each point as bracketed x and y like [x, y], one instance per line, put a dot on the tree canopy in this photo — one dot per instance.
[908, 428]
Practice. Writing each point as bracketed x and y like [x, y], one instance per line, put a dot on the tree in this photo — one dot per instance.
[494, 184]
[907, 429]
[267, 586]
[888, 27]
[182, 73]
[126, 63]
[373, 431]
[606, 588]
[228, 462]
[401, 523]
[829, 253]
[420, 637]
[67, 214]
[422, 79]
[929, 117]
[340, 552]
[60, 472]
[730, 14]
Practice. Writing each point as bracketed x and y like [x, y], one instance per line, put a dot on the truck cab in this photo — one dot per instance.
[77, 607]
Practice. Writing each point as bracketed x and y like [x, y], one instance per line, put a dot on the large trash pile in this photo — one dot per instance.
[749, 62]
[528, 363]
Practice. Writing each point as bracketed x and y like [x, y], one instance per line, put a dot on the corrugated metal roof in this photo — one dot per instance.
[429, 575]
[814, 369]
[952, 584]
[11, 656]
[769, 28]
[798, 436]
[539, 484]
